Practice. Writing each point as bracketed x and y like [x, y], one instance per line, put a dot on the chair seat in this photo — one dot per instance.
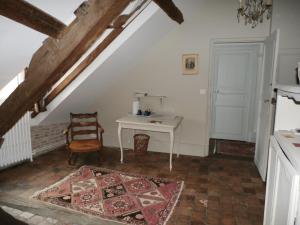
[85, 145]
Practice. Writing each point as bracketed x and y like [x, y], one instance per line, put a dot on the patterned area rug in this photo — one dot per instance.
[115, 196]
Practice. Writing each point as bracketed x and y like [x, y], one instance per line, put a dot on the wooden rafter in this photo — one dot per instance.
[1, 141]
[118, 26]
[31, 16]
[56, 57]
[171, 9]
[83, 65]
[120, 21]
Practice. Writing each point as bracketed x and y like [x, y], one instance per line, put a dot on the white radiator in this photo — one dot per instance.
[17, 143]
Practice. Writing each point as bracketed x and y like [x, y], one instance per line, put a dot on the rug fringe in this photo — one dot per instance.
[34, 196]
[174, 205]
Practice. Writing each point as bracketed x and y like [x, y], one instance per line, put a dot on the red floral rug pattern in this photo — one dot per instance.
[116, 196]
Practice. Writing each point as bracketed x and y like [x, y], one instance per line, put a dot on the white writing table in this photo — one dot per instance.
[168, 125]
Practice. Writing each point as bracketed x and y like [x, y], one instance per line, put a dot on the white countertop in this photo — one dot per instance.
[289, 88]
[286, 140]
[291, 91]
[166, 121]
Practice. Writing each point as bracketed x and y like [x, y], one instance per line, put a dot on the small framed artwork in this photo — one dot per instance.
[190, 64]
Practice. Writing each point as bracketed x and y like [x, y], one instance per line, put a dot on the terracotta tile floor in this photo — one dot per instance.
[218, 191]
[233, 148]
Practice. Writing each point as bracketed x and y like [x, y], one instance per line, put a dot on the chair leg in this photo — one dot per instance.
[99, 152]
[70, 158]
[74, 156]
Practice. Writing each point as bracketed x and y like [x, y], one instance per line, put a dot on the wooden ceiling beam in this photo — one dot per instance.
[1, 141]
[171, 9]
[83, 65]
[118, 25]
[119, 22]
[57, 56]
[31, 16]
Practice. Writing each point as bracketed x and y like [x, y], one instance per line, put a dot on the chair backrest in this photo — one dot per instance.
[84, 126]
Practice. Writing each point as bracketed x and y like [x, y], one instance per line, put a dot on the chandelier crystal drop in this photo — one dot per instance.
[254, 11]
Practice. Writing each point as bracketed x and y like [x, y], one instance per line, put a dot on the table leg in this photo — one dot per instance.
[171, 147]
[120, 141]
[215, 146]
[179, 142]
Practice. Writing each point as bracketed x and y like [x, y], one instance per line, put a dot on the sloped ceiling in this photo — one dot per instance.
[109, 74]
[18, 42]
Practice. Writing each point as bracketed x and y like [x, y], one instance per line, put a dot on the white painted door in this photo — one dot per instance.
[266, 109]
[235, 68]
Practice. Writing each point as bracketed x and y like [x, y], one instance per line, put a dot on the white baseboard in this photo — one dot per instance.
[154, 146]
[163, 146]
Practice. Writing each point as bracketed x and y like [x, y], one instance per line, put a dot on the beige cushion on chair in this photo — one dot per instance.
[85, 145]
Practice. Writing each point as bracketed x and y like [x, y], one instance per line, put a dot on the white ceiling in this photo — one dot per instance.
[18, 42]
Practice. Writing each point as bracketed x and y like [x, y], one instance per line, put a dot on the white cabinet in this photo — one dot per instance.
[270, 192]
[286, 187]
[283, 187]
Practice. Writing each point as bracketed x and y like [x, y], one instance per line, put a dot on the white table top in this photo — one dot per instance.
[166, 121]
[291, 91]
[286, 140]
[289, 88]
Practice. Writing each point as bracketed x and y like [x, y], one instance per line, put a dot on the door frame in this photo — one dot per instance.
[263, 170]
[211, 75]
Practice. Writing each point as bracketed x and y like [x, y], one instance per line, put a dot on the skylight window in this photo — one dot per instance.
[11, 86]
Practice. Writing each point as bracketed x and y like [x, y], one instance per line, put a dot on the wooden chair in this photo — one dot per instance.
[84, 134]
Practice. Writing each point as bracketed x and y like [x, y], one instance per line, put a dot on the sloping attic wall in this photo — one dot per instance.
[18, 42]
[121, 61]
[151, 61]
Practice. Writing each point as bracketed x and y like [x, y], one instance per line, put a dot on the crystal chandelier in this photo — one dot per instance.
[254, 10]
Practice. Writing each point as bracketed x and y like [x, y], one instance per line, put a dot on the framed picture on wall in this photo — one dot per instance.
[190, 64]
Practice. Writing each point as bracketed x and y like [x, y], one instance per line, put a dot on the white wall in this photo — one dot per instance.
[151, 61]
[18, 42]
[286, 17]
[101, 83]
[158, 71]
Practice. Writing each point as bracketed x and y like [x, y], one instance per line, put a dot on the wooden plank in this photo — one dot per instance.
[118, 24]
[83, 132]
[84, 124]
[82, 66]
[1, 141]
[34, 114]
[171, 9]
[57, 56]
[31, 16]
[120, 21]
[83, 115]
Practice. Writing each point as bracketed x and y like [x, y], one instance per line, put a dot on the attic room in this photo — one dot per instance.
[163, 112]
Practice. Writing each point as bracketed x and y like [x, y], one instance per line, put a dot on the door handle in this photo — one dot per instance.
[266, 100]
